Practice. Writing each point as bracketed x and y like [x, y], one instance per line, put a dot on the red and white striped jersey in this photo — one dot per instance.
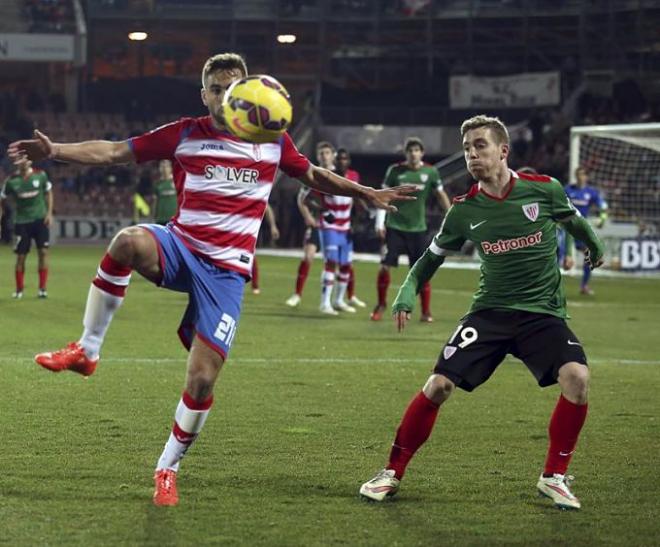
[222, 183]
[339, 206]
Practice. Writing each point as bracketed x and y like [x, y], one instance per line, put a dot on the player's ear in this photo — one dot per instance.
[203, 94]
[504, 151]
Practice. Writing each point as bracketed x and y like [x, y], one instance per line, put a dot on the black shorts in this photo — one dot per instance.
[483, 339]
[398, 242]
[28, 231]
[312, 237]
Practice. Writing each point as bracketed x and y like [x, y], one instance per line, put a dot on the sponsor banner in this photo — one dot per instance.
[514, 91]
[72, 229]
[640, 254]
[37, 47]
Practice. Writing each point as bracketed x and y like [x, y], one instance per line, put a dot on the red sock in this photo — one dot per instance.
[416, 426]
[425, 297]
[564, 429]
[255, 274]
[43, 279]
[383, 283]
[303, 272]
[112, 276]
[20, 276]
[350, 290]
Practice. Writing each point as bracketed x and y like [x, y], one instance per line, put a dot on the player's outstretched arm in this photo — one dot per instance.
[87, 152]
[580, 229]
[421, 272]
[328, 182]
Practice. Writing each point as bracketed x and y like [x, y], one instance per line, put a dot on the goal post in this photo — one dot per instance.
[623, 162]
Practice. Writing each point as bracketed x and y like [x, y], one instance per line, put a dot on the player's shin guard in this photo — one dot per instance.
[383, 284]
[303, 272]
[564, 429]
[20, 281]
[105, 296]
[425, 298]
[189, 420]
[327, 283]
[350, 288]
[43, 278]
[342, 286]
[414, 430]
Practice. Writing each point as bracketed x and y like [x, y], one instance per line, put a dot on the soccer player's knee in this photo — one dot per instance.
[127, 240]
[438, 388]
[576, 376]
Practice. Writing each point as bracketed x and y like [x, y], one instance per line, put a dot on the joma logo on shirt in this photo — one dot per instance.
[505, 245]
[231, 174]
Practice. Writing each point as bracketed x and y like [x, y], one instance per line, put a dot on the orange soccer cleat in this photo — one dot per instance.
[378, 312]
[72, 358]
[165, 492]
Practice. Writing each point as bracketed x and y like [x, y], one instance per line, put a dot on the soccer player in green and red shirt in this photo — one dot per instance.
[31, 191]
[404, 232]
[165, 194]
[519, 307]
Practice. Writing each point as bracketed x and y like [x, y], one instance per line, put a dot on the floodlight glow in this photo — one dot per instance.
[137, 36]
[286, 38]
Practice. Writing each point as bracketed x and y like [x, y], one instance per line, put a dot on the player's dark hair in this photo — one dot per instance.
[324, 144]
[581, 168]
[223, 61]
[491, 122]
[413, 141]
[343, 150]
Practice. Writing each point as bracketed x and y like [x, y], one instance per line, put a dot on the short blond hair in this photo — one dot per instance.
[223, 61]
[491, 122]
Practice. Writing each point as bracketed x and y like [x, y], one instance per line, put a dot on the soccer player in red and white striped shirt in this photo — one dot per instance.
[207, 249]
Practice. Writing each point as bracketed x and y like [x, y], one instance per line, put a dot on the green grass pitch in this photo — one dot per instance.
[305, 411]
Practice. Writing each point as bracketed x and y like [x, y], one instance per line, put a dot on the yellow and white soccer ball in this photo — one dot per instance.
[257, 109]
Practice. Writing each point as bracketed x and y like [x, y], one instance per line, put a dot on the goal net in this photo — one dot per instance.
[623, 162]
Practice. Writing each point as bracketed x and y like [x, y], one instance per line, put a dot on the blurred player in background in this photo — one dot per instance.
[309, 205]
[274, 235]
[519, 307]
[405, 232]
[586, 198]
[32, 194]
[206, 251]
[165, 202]
[335, 236]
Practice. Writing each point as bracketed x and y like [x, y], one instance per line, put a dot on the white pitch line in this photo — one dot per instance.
[314, 360]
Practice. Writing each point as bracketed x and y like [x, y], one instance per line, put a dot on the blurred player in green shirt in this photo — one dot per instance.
[164, 194]
[404, 232]
[32, 194]
[518, 309]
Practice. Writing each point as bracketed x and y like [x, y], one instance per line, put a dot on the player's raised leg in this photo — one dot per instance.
[414, 430]
[204, 365]
[564, 429]
[131, 249]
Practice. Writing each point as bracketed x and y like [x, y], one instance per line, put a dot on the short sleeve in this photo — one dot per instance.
[561, 202]
[292, 162]
[436, 182]
[159, 143]
[449, 238]
[389, 180]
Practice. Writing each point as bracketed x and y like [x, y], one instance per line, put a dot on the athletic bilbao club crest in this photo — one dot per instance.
[531, 211]
[424, 177]
[448, 351]
[35, 183]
